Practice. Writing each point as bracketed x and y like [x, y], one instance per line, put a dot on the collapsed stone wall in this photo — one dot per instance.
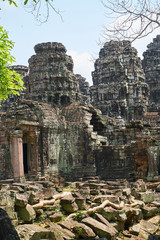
[4, 150]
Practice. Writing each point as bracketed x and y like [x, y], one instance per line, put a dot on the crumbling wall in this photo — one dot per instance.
[5, 170]
[84, 88]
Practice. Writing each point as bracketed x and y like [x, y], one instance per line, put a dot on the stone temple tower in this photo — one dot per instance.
[119, 87]
[151, 66]
[51, 79]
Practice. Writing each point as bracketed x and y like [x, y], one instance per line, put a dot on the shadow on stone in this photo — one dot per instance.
[7, 230]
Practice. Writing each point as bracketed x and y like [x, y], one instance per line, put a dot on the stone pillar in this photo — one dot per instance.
[152, 162]
[17, 154]
[32, 153]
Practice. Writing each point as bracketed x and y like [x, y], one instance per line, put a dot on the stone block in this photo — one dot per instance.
[27, 214]
[101, 229]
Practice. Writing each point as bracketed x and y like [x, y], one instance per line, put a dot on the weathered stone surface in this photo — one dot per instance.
[119, 226]
[101, 229]
[34, 232]
[34, 197]
[146, 197]
[102, 198]
[135, 229]
[68, 204]
[7, 203]
[112, 214]
[7, 230]
[20, 200]
[144, 228]
[134, 215]
[83, 230]
[80, 200]
[48, 193]
[27, 214]
[149, 211]
[56, 217]
[55, 68]
[59, 231]
[83, 88]
[118, 82]
[147, 227]
[151, 69]
[155, 220]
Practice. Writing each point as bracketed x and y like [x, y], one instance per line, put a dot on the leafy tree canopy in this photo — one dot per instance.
[10, 81]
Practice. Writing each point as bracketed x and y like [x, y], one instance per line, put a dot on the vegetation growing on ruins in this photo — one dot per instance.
[10, 81]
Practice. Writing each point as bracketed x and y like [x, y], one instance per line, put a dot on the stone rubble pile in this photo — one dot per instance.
[86, 209]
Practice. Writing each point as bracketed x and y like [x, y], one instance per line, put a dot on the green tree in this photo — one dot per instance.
[10, 81]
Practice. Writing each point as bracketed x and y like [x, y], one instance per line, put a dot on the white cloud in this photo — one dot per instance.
[83, 64]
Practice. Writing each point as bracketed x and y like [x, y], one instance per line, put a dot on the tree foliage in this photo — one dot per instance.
[10, 81]
[132, 19]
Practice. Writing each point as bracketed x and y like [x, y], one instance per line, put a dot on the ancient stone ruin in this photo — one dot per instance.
[119, 87]
[52, 129]
[70, 154]
[86, 209]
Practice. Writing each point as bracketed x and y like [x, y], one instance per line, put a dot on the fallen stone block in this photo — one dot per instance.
[101, 229]
[34, 232]
[27, 214]
[146, 197]
[149, 212]
[68, 204]
[62, 232]
[20, 200]
[83, 230]
[102, 198]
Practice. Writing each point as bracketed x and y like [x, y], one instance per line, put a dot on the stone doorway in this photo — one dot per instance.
[25, 158]
[30, 153]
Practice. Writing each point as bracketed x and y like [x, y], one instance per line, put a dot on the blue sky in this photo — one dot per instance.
[80, 31]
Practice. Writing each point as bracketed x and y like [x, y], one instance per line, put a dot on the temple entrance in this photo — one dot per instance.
[25, 157]
[30, 154]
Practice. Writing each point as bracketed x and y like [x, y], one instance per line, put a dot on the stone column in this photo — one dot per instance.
[152, 162]
[17, 154]
[32, 153]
